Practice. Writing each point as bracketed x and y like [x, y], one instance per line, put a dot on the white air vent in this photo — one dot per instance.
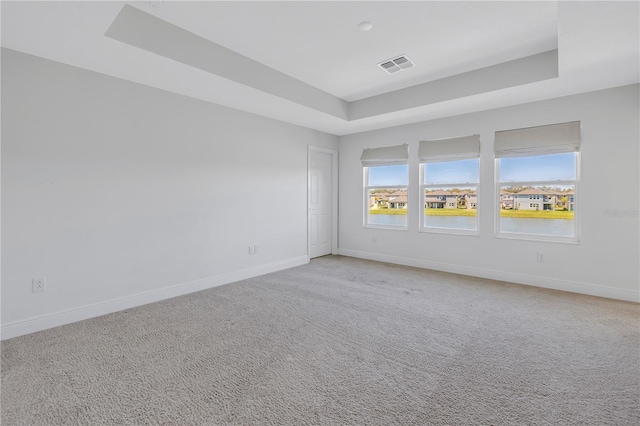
[397, 64]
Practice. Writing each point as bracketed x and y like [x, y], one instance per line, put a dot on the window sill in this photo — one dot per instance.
[391, 228]
[450, 231]
[538, 238]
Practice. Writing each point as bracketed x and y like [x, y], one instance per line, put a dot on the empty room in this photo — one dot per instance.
[320, 213]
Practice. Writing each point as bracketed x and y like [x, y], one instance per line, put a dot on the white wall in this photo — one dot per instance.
[118, 193]
[605, 263]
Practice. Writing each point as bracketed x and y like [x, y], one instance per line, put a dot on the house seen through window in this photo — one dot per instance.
[451, 195]
[386, 181]
[538, 182]
[449, 184]
[387, 195]
[537, 195]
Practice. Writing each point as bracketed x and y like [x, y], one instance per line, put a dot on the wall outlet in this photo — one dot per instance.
[38, 285]
[540, 257]
[255, 249]
[251, 250]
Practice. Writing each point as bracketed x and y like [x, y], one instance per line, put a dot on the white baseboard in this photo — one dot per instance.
[31, 325]
[552, 283]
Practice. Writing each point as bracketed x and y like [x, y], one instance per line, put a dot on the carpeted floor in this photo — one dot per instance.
[340, 341]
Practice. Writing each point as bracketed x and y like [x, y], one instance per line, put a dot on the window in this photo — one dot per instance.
[449, 185]
[386, 176]
[537, 181]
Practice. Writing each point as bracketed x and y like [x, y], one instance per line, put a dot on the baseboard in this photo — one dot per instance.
[31, 325]
[551, 283]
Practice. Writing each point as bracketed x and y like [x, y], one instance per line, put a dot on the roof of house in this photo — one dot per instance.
[438, 192]
[399, 199]
[534, 191]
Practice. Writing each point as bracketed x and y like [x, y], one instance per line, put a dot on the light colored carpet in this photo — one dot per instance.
[340, 341]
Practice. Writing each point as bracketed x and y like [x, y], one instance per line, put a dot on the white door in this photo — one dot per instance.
[320, 208]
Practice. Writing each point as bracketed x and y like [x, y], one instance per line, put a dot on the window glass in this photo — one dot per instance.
[451, 172]
[388, 175]
[450, 191]
[537, 196]
[539, 168]
[386, 203]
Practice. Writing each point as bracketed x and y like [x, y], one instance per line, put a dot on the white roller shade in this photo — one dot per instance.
[541, 140]
[386, 155]
[462, 148]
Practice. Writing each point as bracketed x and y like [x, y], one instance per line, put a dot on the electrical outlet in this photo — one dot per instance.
[255, 249]
[38, 285]
[251, 250]
[540, 257]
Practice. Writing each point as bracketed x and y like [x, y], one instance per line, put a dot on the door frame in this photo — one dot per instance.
[334, 197]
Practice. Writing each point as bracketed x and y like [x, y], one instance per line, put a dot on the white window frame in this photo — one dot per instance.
[446, 151]
[424, 187]
[565, 182]
[368, 188]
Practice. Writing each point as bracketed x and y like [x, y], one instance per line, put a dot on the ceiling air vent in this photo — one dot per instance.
[397, 64]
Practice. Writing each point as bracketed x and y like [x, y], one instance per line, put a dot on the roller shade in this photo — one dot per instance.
[461, 148]
[385, 156]
[541, 140]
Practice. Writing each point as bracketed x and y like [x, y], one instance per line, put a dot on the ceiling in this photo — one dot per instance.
[307, 63]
